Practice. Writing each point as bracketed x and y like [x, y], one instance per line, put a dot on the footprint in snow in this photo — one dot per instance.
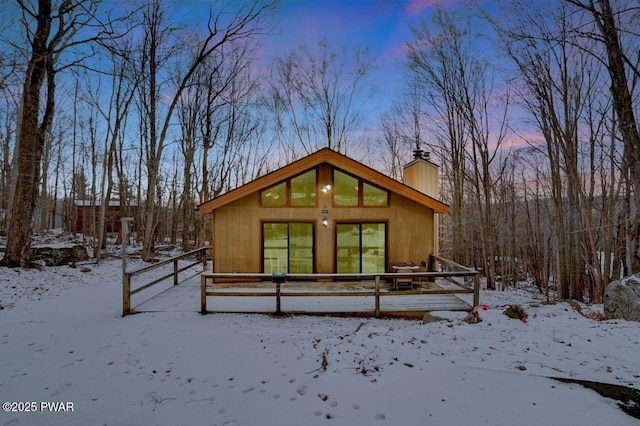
[205, 401]
[60, 390]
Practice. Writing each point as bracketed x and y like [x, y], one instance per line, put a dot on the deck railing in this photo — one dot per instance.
[201, 257]
[211, 285]
[450, 265]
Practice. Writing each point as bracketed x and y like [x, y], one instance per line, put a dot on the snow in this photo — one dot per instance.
[62, 339]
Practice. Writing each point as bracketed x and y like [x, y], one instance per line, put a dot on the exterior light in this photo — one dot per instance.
[325, 221]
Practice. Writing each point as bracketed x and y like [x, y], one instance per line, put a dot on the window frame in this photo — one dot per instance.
[288, 195]
[361, 183]
[359, 224]
[288, 223]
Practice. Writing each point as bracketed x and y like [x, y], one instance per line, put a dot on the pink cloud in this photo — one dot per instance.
[416, 7]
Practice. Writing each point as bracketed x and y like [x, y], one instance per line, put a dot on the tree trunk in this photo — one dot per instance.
[30, 142]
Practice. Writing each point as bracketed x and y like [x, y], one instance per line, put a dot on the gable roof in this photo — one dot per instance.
[325, 155]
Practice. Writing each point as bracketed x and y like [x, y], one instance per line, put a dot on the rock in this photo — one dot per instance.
[622, 298]
[516, 312]
[85, 269]
[575, 305]
[473, 318]
[428, 318]
[55, 256]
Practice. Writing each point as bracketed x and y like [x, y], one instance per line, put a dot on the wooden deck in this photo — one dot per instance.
[398, 306]
[454, 289]
[327, 294]
[353, 298]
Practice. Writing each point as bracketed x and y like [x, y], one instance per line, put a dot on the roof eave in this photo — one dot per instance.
[334, 158]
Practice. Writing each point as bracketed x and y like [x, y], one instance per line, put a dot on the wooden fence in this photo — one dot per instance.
[200, 254]
[211, 285]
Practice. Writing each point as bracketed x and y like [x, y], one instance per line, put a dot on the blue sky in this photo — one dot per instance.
[382, 25]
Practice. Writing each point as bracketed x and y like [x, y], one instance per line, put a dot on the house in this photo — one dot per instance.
[326, 213]
[84, 209]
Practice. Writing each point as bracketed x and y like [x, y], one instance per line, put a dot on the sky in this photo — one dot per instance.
[382, 25]
[63, 340]
[385, 26]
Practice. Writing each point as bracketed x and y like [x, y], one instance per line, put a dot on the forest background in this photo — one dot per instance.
[155, 106]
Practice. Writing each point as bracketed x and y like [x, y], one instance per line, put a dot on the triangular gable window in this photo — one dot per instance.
[349, 191]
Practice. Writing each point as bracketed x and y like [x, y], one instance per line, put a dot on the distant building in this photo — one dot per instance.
[82, 210]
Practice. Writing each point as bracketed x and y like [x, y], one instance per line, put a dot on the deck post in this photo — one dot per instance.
[278, 311]
[203, 294]
[126, 277]
[126, 294]
[432, 263]
[278, 278]
[204, 257]
[377, 297]
[175, 272]
[476, 290]
[431, 267]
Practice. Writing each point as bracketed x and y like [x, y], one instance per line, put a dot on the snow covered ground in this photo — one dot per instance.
[62, 339]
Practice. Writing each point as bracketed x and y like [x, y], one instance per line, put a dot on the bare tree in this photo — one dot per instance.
[431, 66]
[51, 29]
[562, 88]
[216, 118]
[403, 128]
[317, 96]
[553, 106]
[225, 27]
[8, 75]
[618, 63]
[535, 221]
[444, 62]
[119, 89]
[392, 144]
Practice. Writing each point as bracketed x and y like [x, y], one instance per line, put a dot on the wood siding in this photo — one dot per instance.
[237, 228]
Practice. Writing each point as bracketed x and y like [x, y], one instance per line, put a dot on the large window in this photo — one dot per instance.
[373, 196]
[303, 189]
[345, 189]
[297, 191]
[275, 196]
[351, 192]
[360, 248]
[287, 247]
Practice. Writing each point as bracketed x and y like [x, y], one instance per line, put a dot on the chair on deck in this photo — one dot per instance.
[419, 281]
[402, 268]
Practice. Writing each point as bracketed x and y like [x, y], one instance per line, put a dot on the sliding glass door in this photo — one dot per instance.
[360, 247]
[287, 247]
